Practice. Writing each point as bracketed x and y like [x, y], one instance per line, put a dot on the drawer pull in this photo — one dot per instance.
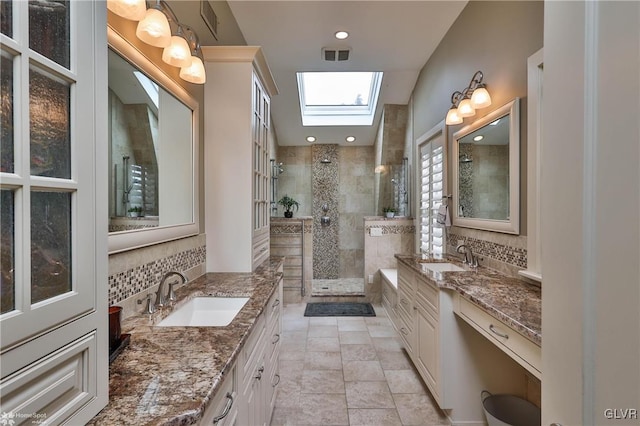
[259, 375]
[277, 377]
[263, 249]
[276, 303]
[403, 301]
[497, 333]
[276, 339]
[226, 410]
[404, 331]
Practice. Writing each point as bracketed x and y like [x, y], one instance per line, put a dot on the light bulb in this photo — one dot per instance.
[465, 109]
[195, 72]
[128, 9]
[480, 98]
[453, 117]
[177, 53]
[154, 29]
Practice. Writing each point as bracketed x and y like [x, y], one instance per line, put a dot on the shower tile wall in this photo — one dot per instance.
[356, 201]
[325, 178]
[354, 183]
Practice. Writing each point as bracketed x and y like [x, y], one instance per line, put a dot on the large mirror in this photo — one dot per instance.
[152, 152]
[486, 172]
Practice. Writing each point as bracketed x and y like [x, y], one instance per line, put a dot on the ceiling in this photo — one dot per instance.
[396, 37]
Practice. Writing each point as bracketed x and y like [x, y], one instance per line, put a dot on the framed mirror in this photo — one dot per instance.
[152, 152]
[486, 172]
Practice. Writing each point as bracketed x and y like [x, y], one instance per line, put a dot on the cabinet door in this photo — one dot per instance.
[261, 171]
[53, 261]
[426, 351]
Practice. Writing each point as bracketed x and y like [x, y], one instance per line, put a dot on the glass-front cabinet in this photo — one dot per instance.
[52, 314]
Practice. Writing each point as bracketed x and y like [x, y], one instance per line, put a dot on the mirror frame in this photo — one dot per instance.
[129, 240]
[512, 225]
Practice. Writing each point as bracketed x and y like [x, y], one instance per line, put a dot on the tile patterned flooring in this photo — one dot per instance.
[348, 371]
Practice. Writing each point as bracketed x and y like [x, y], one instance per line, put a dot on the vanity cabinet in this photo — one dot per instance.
[390, 298]
[405, 308]
[258, 366]
[237, 174]
[426, 326]
[53, 310]
[519, 348]
[223, 409]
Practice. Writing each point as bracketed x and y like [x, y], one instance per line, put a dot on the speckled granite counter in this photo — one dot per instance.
[508, 299]
[168, 375]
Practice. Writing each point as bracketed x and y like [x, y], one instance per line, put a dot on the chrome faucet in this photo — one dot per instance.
[161, 300]
[469, 258]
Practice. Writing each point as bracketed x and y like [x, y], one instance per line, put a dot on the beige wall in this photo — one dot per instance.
[496, 38]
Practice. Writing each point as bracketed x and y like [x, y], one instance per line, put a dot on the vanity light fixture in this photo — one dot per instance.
[154, 28]
[350, 139]
[134, 10]
[311, 139]
[341, 35]
[464, 103]
[159, 27]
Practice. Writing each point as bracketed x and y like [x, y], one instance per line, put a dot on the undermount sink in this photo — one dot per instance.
[442, 267]
[205, 312]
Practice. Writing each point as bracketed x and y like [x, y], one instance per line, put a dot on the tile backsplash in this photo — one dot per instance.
[137, 271]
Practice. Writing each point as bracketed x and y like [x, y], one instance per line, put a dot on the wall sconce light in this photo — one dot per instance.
[181, 46]
[464, 104]
[133, 10]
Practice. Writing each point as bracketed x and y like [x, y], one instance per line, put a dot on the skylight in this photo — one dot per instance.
[338, 98]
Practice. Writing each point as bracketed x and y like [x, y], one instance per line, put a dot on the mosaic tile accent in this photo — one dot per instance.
[393, 229]
[324, 184]
[123, 285]
[512, 255]
[287, 228]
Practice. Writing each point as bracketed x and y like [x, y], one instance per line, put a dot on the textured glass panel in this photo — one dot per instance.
[49, 101]
[6, 18]
[7, 255]
[50, 244]
[49, 29]
[6, 113]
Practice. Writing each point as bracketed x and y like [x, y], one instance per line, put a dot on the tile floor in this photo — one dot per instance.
[348, 371]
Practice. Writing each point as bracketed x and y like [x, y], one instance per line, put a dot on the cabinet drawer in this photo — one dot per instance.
[223, 403]
[522, 350]
[55, 387]
[427, 296]
[260, 248]
[252, 352]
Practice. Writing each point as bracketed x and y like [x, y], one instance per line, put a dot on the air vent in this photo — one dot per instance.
[209, 17]
[333, 54]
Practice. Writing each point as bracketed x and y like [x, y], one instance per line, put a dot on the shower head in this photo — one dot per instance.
[465, 159]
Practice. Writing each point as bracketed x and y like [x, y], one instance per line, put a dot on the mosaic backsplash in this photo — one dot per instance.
[123, 285]
[503, 253]
[392, 229]
[326, 247]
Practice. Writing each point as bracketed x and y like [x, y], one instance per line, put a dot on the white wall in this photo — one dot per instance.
[590, 212]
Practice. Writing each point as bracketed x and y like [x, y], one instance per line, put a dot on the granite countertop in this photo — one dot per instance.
[168, 375]
[510, 300]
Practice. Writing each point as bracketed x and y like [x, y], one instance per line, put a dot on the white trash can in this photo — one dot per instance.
[509, 410]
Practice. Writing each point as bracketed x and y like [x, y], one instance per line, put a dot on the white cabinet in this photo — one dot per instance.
[389, 299]
[405, 307]
[258, 366]
[223, 409]
[423, 329]
[53, 315]
[237, 158]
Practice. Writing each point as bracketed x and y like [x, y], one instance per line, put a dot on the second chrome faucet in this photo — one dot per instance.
[161, 299]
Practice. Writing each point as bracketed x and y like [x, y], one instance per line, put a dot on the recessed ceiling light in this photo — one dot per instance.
[495, 123]
[478, 138]
[341, 35]
[311, 138]
[350, 138]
